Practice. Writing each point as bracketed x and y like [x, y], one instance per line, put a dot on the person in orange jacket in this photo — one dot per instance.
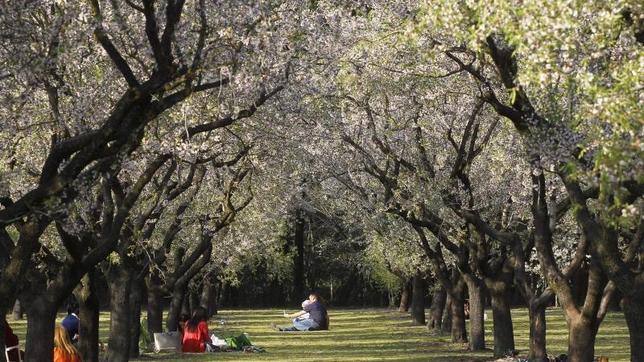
[64, 350]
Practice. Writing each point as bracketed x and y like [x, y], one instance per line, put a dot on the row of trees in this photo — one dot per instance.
[121, 152]
[173, 143]
[497, 139]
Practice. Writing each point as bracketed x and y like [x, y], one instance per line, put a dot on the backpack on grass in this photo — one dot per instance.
[238, 342]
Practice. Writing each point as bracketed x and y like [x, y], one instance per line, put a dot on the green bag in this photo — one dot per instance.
[238, 342]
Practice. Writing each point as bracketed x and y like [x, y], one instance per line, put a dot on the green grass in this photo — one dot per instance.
[374, 335]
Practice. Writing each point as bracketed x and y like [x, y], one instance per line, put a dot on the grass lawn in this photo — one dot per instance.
[373, 335]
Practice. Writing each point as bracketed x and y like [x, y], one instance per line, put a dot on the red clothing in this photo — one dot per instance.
[59, 356]
[195, 340]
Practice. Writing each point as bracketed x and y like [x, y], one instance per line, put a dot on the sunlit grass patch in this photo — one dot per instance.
[373, 335]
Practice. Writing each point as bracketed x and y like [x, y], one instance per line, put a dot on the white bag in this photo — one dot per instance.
[167, 341]
[216, 341]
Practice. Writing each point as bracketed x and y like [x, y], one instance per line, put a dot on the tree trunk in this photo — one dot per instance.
[436, 311]
[216, 300]
[405, 297]
[41, 318]
[298, 267]
[198, 258]
[178, 295]
[3, 357]
[447, 316]
[88, 314]
[634, 314]
[154, 306]
[14, 269]
[502, 318]
[391, 299]
[459, 335]
[136, 298]
[185, 305]
[118, 345]
[208, 297]
[418, 300]
[194, 300]
[17, 311]
[206, 293]
[581, 340]
[537, 315]
[477, 326]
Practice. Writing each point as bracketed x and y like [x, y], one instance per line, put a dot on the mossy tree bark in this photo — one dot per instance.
[418, 299]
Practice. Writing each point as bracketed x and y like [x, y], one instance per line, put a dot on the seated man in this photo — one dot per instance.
[316, 320]
[305, 315]
[71, 323]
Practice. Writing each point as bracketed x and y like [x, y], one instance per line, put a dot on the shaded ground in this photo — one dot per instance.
[373, 335]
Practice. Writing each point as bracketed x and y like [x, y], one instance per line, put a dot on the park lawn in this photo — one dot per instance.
[373, 335]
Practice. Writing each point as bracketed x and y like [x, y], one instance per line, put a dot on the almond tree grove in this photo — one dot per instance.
[478, 152]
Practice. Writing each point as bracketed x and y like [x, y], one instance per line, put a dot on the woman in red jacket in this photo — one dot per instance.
[195, 332]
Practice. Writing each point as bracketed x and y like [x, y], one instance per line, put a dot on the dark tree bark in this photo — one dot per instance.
[503, 328]
[536, 303]
[176, 304]
[185, 305]
[136, 299]
[298, 265]
[459, 335]
[185, 269]
[418, 299]
[118, 345]
[453, 283]
[537, 314]
[42, 299]
[194, 299]
[446, 325]
[583, 321]
[634, 313]
[216, 301]
[41, 317]
[183, 274]
[477, 325]
[584, 324]
[209, 296]
[89, 318]
[20, 261]
[581, 340]
[405, 295]
[625, 272]
[456, 304]
[436, 311]
[154, 306]
[3, 357]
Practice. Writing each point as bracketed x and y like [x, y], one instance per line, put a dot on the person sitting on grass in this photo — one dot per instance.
[71, 323]
[64, 350]
[306, 315]
[317, 320]
[195, 332]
